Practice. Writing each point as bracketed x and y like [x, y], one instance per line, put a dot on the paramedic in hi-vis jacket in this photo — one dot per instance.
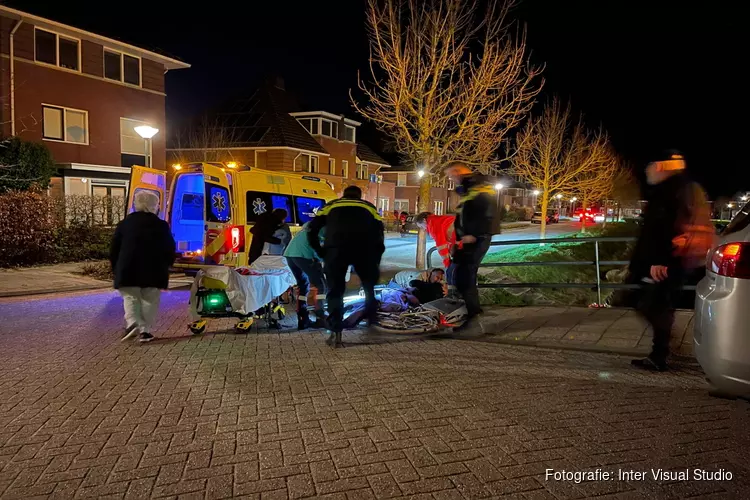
[353, 237]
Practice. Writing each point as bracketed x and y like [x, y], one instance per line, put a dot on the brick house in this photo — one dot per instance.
[405, 182]
[81, 94]
[268, 130]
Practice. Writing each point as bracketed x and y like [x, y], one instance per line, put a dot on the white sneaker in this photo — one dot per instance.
[130, 332]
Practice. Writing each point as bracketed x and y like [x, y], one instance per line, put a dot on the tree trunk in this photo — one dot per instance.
[543, 224]
[425, 191]
[583, 217]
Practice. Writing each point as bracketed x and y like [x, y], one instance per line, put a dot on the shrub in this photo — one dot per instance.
[36, 229]
[24, 165]
[98, 270]
[27, 228]
[510, 216]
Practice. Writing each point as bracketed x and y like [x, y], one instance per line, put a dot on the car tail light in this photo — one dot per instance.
[731, 260]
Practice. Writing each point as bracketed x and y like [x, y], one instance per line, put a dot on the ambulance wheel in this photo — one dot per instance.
[198, 327]
[244, 325]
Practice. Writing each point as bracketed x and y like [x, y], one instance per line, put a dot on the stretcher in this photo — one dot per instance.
[246, 293]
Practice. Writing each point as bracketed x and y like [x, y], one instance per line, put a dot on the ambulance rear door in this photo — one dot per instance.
[151, 180]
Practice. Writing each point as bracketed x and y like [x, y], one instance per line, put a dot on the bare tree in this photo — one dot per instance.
[209, 139]
[556, 155]
[597, 184]
[448, 83]
[626, 191]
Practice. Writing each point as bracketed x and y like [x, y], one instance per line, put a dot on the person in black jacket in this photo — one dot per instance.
[475, 214]
[354, 236]
[675, 237]
[141, 254]
[263, 230]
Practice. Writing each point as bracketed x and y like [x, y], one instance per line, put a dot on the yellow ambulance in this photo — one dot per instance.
[212, 206]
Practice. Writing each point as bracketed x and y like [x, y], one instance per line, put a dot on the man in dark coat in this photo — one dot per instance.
[141, 254]
[473, 226]
[675, 237]
[262, 232]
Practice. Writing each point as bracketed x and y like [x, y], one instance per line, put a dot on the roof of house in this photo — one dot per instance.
[64, 29]
[263, 120]
[367, 155]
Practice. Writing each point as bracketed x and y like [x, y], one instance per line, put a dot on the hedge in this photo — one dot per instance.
[36, 229]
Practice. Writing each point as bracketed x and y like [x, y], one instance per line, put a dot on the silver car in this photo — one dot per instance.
[722, 311]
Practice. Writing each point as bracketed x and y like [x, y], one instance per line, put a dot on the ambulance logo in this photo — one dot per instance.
[259, 206]
[219, 202]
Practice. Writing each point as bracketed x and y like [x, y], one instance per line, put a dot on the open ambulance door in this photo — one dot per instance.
[148, 179]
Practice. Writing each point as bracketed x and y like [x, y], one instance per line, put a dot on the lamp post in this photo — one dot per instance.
[559, 202]
[535, 193]
[147, 133]
[573, 205]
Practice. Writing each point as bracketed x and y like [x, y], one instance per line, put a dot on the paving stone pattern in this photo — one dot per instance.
[283, 416]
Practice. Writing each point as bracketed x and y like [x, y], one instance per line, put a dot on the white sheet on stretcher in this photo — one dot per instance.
[270, 278]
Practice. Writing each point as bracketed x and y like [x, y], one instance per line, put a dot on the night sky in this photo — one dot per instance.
[666, 76]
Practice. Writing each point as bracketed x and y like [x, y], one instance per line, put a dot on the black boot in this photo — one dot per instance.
[334, 340]
[303, 317]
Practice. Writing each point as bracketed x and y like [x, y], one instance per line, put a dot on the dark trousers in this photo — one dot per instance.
[464, 270]
[656, 305]
[308, 271]
[366, 265]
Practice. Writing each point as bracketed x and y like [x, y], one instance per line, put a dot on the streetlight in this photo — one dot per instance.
[535, 193]
[499, 186]
[559, 196]
[573, 205]
[147, 132]
[420, 173]
[744, 198]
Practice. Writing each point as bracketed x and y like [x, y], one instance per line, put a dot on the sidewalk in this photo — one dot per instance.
[597, 330]
[58, 278]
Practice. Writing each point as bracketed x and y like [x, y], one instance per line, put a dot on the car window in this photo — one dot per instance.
[538, 213]
[218, 207]
[740, 221]
[307, 208]
[259, 203]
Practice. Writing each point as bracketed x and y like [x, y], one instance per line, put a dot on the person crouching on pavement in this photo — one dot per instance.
[475, 214]
[307, 268]
[441, 230]
[354, 237]
[141, 254]
[675, 237]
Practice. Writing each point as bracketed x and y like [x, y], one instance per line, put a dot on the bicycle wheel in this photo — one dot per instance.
[407, 323]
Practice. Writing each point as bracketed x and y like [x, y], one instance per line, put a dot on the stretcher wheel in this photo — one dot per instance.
[198, 327]
[280, 312]
[244, 325]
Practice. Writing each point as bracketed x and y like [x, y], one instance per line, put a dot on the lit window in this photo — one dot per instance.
[401, 181]
[64, 124]
[51, 48]
[332, 166]
[345, 169]
[362, 171]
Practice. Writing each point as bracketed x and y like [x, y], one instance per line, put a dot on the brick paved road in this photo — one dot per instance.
[282, 416]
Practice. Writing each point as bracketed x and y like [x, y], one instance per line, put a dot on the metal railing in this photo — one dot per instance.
[598, 285]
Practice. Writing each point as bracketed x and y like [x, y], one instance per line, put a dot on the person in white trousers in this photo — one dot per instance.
[142, 252]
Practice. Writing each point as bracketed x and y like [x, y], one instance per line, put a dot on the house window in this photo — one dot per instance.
[51, 48]
[349, 133]
[362, 170]
[345, 169]
[307, 163]
[401, 181]
[310, 124]
[401, 205]
[122, 67]
[332, 166]
[109, 203]
[329, 128]
[65, 124]
[132, 145]
[439, 208]
[451, 185]
[383, 204]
